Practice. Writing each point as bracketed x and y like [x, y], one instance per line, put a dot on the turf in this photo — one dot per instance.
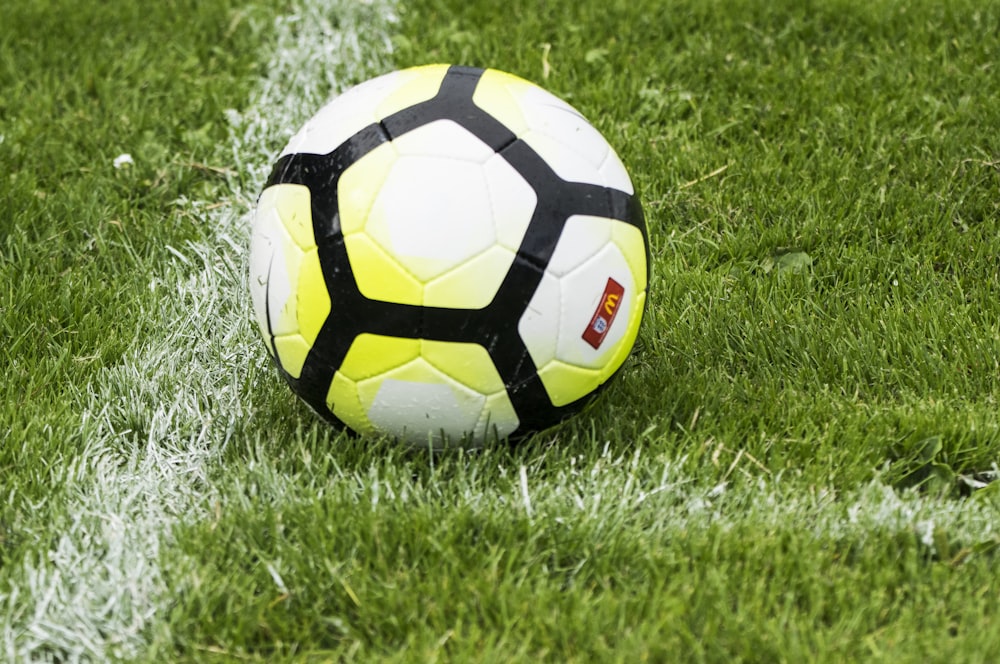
[786, 469]
[82, 239]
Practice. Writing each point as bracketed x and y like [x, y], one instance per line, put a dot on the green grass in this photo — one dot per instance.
[779, 474]
[381, 556]
[81, 240]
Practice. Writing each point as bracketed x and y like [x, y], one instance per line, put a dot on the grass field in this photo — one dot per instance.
[795, 465]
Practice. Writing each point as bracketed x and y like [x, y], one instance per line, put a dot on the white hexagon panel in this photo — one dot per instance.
[433, 218]
[583, 319]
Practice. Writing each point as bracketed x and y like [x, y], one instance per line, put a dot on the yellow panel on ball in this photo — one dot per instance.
[629, 239]
[374, 354]
[495, 95]
[633, 247]
[499, 418]
[565, 383]
[414, 85]
[624, 347]
[467, 363]
[344, 402]
[378, 275]
[293, 204]
[314, 300]
[298, 320]
[420, 390]
[468, 286]
[292, 351]
[368, 356]
[359, 185]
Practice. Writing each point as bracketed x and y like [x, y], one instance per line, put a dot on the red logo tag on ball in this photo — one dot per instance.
[607, 309]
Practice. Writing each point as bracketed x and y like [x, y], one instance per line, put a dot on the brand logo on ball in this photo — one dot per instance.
[607, 309]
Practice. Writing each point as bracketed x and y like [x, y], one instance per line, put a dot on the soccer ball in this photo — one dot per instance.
[448, 256]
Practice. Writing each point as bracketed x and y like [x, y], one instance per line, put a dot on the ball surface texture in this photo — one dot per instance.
[448, 256]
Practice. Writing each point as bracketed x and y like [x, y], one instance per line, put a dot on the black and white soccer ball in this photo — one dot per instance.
[448, 256]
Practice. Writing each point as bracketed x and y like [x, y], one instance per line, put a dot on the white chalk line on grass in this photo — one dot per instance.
[678, 503]
[157, 423]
